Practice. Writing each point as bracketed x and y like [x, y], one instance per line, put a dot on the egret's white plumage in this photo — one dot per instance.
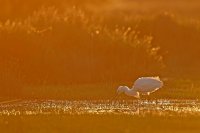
[144, 86]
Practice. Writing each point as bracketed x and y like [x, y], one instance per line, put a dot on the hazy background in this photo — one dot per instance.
[66, 48]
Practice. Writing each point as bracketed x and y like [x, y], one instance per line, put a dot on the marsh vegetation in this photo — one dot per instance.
[49, 45]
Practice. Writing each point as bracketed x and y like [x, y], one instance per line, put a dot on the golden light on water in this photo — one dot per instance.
[103, 107]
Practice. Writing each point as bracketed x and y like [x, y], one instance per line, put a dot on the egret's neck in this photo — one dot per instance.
[128, 91]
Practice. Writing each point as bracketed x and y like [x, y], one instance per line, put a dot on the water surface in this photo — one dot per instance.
[123, 107]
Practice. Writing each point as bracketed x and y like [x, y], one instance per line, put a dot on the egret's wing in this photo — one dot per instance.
[156, 78]
[147, 84]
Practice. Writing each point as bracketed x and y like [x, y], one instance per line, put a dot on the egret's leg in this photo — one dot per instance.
[148, 97]
[156, 101]
[138, 104]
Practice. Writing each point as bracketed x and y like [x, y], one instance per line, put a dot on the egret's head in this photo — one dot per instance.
[121, 89]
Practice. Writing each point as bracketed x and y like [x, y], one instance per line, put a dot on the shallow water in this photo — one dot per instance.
[123, 107]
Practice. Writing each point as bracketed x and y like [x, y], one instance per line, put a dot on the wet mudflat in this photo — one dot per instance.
[122, 116]
[123, 107]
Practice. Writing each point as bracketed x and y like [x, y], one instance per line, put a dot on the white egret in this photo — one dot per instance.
[144, 86]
